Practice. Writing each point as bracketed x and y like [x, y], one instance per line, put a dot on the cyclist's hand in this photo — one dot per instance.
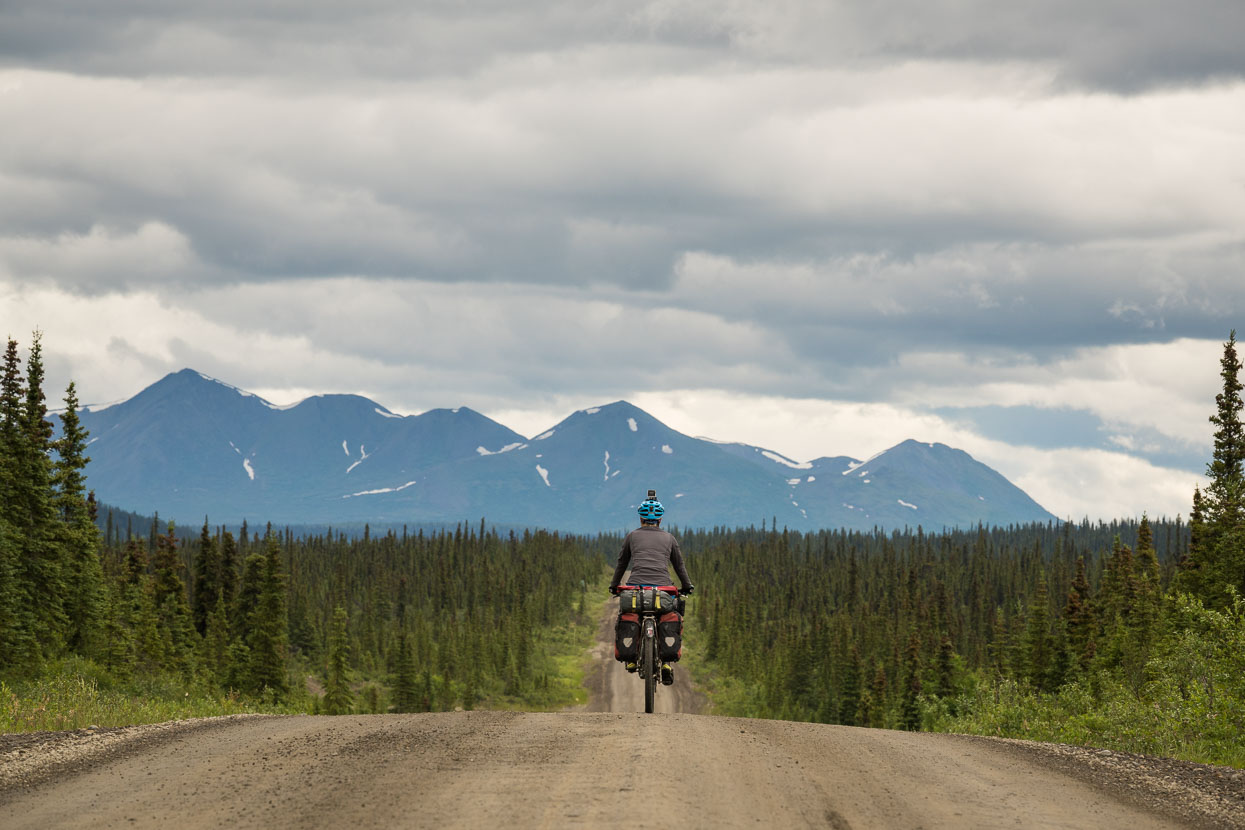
[687, 589]
[615, 590]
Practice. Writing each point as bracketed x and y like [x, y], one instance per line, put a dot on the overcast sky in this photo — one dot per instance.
[821, 227]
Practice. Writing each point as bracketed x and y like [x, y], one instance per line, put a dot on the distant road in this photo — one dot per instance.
[586, 769]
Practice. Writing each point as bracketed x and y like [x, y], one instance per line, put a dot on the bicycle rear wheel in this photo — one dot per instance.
[650, 673]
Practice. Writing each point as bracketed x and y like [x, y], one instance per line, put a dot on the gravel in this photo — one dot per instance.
[28, 758]
[1202, 794]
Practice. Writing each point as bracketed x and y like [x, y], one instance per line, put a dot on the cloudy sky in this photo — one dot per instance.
[821, 227]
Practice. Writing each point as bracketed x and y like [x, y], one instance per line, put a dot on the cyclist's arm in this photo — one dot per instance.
[676, 559]
[624, 559]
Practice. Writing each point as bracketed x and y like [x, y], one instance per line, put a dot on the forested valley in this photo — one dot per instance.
[128, 624]
[1128, 634]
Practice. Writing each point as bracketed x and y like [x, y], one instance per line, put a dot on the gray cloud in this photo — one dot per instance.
[1121, 45]
[926, 203]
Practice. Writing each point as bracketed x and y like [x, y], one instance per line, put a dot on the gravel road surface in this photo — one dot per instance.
[587, 769]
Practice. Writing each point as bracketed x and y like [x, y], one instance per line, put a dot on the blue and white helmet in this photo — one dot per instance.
[651, 510]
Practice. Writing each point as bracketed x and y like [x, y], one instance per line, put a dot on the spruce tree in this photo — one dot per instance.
[878, 691]
[79, 537]
[849, 698]
[1079, 616]
[147, 645]
[40, 580]
[172, 609]
[1216, 560]
[10, 604]
[910, 710]
[228, 570]
[207, 579]
[1039, 644]
[246, 602]
[946, 669]
[337, 695]
[268, 636]
[1146, 577]
[17, 644]
[405, 690]
[215, 655]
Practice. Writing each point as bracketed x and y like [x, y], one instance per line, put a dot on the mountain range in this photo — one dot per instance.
[190, 445]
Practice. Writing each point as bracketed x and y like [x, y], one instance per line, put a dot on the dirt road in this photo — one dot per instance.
[587, 769]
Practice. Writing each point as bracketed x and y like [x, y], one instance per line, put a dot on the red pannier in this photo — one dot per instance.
[670, 637]
[627, 638]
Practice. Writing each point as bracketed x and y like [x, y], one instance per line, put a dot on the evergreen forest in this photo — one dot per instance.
[1128, 634]
[113, 627]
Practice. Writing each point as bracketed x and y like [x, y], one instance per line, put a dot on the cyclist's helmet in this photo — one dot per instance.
[651, 510]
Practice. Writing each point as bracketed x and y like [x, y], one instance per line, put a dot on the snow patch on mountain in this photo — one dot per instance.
[793, 481]
[631, 423]
[905, 504]
[235, 449]
[517, 445]
[666, 449]
[250, 471]
[544, 435]
[345, 449]
[607, 465]
[387, 414]
[363, 456]
[592, 411]
[381, 490]
[811, 478]
[241, 392]
[786, 462]
[544, 474]
[286, 406]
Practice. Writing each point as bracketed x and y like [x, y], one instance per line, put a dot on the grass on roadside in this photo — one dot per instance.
[77, 693]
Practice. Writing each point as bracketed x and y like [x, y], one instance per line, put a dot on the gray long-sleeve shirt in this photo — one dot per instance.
[650, 551]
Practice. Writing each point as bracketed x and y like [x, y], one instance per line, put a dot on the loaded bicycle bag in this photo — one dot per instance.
[670, 637]
[627, 638]
[646, 601]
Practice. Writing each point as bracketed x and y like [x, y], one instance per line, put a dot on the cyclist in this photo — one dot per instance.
[650, 551]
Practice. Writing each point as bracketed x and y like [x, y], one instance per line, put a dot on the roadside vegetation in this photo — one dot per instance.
[1128, 635]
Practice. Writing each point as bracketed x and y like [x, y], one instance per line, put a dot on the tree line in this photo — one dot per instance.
[920, 630]
[400, 621]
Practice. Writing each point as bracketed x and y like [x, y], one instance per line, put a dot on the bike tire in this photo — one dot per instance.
[650, 673]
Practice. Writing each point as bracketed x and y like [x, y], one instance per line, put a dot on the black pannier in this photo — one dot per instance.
[670, 638]
[627, 638]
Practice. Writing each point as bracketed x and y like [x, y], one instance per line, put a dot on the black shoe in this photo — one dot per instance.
[667, 674]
